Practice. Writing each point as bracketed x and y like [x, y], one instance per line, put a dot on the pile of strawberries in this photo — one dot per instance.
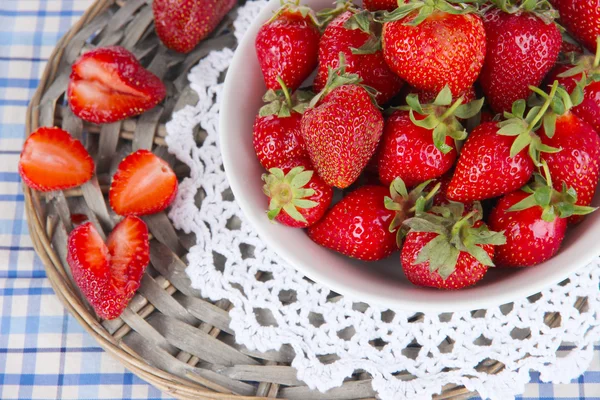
[462, 133]
[107, 85]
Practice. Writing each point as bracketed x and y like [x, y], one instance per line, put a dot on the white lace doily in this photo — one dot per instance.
[435, 349]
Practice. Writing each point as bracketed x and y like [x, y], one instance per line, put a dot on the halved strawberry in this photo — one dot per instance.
[109, 84]
[143, 184]
[54, 160]
[109, 274]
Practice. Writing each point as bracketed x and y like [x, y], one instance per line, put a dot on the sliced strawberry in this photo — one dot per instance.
[54, 160]
[109, 274]
[143, 184]
[109, 84]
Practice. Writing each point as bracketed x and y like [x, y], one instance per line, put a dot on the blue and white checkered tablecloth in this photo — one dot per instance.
[44, 353]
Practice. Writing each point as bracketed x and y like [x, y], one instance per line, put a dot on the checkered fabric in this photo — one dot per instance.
[44, 353]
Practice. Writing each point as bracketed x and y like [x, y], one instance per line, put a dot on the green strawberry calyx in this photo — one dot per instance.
[442, 116]
[288, 193]
[364, 21]
[407, 204]
[541, 8]
[524, 126]
[294, 7]
[422, 9]
[456, 233]
[585, 64]
[329, 14]
[282, 103]
[555, 204]
[338, 77]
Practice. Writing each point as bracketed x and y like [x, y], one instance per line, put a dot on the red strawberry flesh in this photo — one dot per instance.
[109, 275]
[53, 160]
[143, 184]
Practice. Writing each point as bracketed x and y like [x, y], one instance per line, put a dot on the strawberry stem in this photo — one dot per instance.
[544, 108]
[464, 220]
[597, 58]
[429, 196]
[286, 92]
[452, 109]
[547, 173]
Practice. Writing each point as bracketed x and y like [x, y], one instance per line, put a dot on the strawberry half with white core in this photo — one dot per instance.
[407, 204]
[143, 184]
[52, 159]
[447, 249]
[109, 84]
[277, 133]
[534, 220]
[419, 141]
[110, 273]
[298, 197]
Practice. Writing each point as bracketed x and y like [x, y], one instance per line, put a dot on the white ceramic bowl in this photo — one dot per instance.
[382, 282]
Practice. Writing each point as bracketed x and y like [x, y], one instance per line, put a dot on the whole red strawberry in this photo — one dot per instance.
[486, 169]
[413, 49]
[534, 221]
[418, 144]
[580, 17]
[343, 129]
[298, 197]
[109, 274]
[182, 24]
[287, 46]
[376, 5]
[408, 152]
[569, 75]
[277, 133]
[344, 34]
[446, 249]
[577, 165]
[358, 226]
[521, 49]
[109, 84]
[52, 159]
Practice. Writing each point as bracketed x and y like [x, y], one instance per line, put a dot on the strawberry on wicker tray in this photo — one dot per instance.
[54, 160]
[109, 274]
[143, 184]
[109, 84]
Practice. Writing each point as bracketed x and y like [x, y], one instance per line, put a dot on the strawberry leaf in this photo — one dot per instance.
[444, 98]
[361, 20]
[371, 46]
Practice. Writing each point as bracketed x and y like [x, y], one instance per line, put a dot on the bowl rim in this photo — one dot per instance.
[577, 259]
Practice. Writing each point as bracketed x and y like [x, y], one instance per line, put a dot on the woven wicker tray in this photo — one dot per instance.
[168, 336]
